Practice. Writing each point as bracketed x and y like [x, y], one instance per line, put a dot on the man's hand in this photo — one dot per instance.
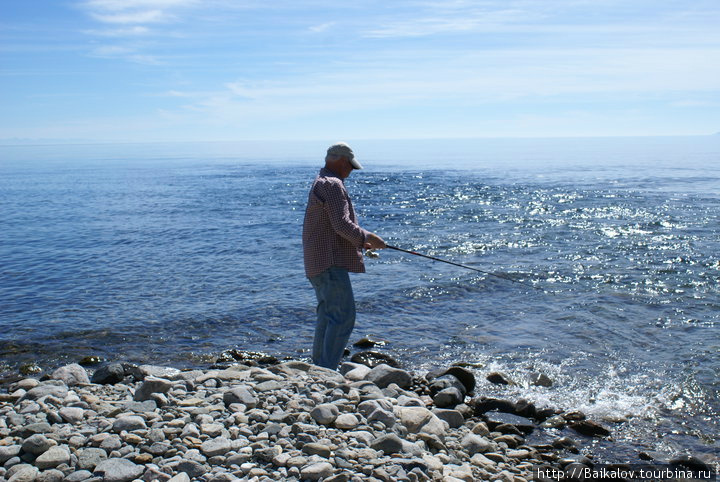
[373, 241]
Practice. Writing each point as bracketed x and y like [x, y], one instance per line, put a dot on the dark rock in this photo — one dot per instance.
[566, 443]
[466, 377]
[545, 413]
[590, 428]
[540, 380]
[525, 408]
[448, 397]
[133, 371]
[690, 462]
[109, 374]
[91, 360]
[483, 405]
[574, 416]
[373, 359]
[247, 357]
[498, 419]
[499, 379]
[444, 382]
[369, 342]
[507, 428]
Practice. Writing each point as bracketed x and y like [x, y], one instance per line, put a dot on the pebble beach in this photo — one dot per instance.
[289, 421]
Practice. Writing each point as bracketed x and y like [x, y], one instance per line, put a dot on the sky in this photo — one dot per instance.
[209, 70]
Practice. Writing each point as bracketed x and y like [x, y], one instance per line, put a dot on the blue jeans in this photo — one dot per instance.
[335, 316]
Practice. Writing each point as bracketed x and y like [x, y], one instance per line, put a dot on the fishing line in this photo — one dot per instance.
[463, 266]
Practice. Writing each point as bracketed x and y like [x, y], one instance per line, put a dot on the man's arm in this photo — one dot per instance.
[339, 213]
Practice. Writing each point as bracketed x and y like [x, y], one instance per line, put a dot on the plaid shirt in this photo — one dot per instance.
[331, 235]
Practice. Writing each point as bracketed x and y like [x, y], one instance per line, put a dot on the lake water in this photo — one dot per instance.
[170, 254]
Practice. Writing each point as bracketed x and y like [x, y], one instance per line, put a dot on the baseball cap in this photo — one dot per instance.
[342, 149]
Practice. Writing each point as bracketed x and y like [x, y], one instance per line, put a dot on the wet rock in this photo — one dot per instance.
[91, 360]
[369, 342]
[574, 416]
[554, 422]
[566, 443]
[497, 419]
[540, 380]
[590, 428]
[71, 375]
[247, 357]
[118, 470]
[133, 372]
[653, 456]
[30, 369]
[498, 378]
[373, 359]
[109, 374]
[690, 462]
[384, 375]
[483, 405]
[466, 377]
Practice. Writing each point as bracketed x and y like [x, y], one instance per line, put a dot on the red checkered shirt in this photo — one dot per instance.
[331, 235]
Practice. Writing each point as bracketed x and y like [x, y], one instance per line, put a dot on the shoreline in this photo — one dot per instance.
[266, 419]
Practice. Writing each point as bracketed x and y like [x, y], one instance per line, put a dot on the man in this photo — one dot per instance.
[332, 247]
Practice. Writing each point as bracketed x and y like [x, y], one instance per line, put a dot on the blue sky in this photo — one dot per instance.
[201, 70]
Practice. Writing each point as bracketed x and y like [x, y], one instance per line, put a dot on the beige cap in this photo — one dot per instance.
[342, 149]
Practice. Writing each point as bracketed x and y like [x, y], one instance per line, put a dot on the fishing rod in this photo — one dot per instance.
[462, 266]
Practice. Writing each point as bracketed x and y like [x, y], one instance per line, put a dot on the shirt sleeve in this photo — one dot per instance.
[339, 212]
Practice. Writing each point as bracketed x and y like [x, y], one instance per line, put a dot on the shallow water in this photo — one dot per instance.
[171, 257]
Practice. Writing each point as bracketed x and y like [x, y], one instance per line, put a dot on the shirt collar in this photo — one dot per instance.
[329, 173]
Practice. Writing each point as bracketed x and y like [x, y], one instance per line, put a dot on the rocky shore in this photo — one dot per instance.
[289, 421]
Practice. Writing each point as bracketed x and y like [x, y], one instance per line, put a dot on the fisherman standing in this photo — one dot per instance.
[332, 247]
